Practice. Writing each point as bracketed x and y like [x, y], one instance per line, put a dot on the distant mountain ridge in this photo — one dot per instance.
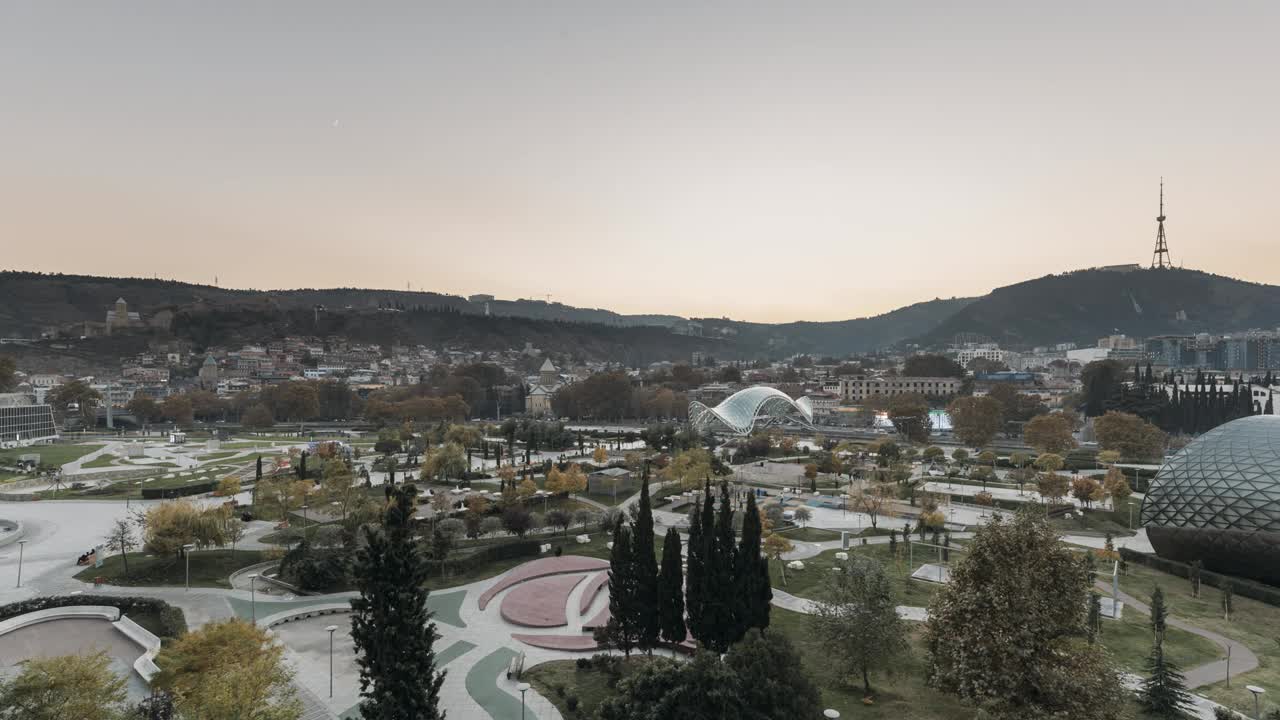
[1076, 306]
[33, 302]
[1085, 305]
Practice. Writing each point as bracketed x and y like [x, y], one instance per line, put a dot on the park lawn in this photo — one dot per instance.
[1253, 623]
[591, 686]
[806, 583]
[209, 568]
[56, 455]
[1129, 642]
[102, 461]
[597, 548]
[216, 456]
[809, 534]
[1100, 521]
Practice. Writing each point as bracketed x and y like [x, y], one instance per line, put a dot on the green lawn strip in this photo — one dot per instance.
[216, 456]
[209, 568]
[590, 685]
[57, 455]
[809, 534]
[1099, 521]
[482, 686]
[805, 583]
[1129, 642]
[1253, 623]
[103, 460]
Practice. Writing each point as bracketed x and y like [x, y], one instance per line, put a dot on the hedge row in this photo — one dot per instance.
[173, 622]
[177, 492]
[1239, 586]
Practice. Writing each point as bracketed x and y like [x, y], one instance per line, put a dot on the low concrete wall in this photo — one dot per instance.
[146, 664]
[286, 616]
[72, 612]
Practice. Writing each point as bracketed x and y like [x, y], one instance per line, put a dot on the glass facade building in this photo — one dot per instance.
[22, 423]
[750, 409]
[1218, 500]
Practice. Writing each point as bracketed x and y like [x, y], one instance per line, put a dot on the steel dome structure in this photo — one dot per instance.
[751, 409]
[1218, 500]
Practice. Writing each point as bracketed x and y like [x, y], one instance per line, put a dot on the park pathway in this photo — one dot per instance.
[1242, 658]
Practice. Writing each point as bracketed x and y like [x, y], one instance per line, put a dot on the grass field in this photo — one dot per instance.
[216, 456]
[1253, 623]
[209, 568]
[1101, 520]
[58, 455]
[809, 534]
[102, 461]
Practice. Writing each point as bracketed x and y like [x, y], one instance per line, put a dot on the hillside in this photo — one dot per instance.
[841, 337]
[1085, 305]
[31, 303]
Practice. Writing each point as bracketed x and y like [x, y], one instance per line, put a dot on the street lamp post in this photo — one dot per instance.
[523, 688]
[22, 544]
[331, 629]
[304, 520]
[1257, 693]
[186, 553]
[253, 597]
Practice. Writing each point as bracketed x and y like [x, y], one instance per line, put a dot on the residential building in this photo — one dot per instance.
[855, 388]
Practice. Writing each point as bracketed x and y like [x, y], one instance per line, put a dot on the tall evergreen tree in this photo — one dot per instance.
[645, 573]
[671, 590]
[752, 573]
[1164, 693]
[624, 618]
[257, 475]
[721, 605]
[1159, 615]
[390, 624]
[695, 569]
[1270, 408]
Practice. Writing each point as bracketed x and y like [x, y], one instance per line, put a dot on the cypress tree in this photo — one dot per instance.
[721, 604]
[694, 572]
[1095, 617]
[671, 591]
[752, 573]
[1270, 408]
[391, 613]
[623, 616]
[302, 465]
[645, 573]
[258, 473]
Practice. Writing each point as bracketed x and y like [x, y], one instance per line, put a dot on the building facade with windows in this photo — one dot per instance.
[856, 388]
[24, 423]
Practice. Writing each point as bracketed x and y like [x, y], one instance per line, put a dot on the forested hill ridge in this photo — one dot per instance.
[1084, 305]
[31, 303]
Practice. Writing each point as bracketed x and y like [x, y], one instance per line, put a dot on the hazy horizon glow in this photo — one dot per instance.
[798, 161]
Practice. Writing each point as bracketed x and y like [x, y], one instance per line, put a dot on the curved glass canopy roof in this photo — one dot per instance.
[1228, 478]
[750, 409]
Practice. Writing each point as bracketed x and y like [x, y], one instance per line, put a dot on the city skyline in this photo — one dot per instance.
[817, 162]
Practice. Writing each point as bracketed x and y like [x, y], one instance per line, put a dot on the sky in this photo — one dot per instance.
[764, 161]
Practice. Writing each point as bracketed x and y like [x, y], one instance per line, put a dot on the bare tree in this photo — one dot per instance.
[121, 539]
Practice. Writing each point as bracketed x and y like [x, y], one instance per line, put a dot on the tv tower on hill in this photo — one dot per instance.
[1160, 258]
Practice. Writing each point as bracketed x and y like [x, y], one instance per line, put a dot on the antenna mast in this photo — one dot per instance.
[1160, 257]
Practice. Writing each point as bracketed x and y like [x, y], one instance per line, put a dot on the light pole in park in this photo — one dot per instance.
[523, 688]
[253, 597]
[22, 545]
[331, 629]
[1257, 693]
[186, 554]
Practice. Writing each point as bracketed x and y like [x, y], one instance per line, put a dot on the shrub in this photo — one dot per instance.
[559, 688]
[584, 663]
[572, 703]
[173, 623]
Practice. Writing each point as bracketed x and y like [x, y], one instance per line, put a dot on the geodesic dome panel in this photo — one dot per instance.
[1218, 500]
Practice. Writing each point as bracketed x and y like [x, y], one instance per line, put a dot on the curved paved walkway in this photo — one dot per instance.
[540, 602]
[1242, 658]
